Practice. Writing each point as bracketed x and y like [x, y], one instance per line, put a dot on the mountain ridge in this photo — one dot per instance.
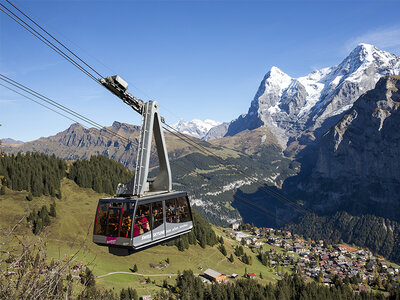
[302, 109]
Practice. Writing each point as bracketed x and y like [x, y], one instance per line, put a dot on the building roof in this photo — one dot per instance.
[348, 248]
[212, 273]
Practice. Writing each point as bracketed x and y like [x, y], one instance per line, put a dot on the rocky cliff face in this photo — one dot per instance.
[78, 142]
[358, 165]
[304, 108]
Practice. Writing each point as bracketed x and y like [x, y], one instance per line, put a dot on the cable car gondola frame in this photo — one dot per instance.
[144, 212]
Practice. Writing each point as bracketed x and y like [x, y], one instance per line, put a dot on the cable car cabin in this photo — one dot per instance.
[126, 225]
[145, 211]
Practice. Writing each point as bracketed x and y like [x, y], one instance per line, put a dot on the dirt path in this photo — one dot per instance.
[139, 274]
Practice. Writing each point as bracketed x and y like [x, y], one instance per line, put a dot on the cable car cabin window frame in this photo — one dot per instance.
[98, 222]
[128, 211]
[140, 226]
[175, 215]
[157, 227]
[123, 205]
[117, 209]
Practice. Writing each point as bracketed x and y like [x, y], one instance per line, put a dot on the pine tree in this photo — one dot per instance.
[53, 212]
[2, 190]
[231, 258]
[135, 268]
[203, 241]
[222, 249]
[44, 215]
[38, 226]
[29, 197]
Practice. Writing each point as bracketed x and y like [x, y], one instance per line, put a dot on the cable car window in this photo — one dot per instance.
[182, 208]
[157, 214]
[101, 220]
[170, 207]
[114, 216]
[126, 222]
[142, 220]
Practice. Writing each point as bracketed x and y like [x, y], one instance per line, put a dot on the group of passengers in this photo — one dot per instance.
[142, 224]
[174, 214]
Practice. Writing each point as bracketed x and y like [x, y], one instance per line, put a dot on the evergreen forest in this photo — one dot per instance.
[37, 173]
[40, 174]
[99, 173]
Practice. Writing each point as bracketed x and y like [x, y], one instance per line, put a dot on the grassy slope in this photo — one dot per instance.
[72, 229]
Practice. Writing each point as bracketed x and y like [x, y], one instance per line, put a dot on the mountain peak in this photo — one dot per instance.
[363, 53]
[276, 72]
[196, 127]
[367, 53]
[75, 126]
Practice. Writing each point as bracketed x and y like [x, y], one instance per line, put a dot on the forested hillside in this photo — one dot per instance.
[378, 234]
[37, 173]
[41, 174]
[99, 173]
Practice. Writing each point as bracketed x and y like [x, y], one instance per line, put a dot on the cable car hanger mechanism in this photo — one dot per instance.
[140, 185]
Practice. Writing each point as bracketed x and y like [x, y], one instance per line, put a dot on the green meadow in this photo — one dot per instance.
[70, 233]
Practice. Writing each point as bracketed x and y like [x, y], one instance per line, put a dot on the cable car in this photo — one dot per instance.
[136, 223]
[144, 212]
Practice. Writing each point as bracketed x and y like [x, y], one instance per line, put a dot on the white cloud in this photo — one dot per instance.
[6, 101]
[383, 38]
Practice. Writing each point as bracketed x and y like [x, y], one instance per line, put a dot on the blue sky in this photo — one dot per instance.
[198, 59]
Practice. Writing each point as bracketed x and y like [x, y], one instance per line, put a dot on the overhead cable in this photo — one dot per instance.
[65, 47]
[47, 42]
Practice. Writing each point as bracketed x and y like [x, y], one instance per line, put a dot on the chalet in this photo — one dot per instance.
[235, 226]
[346, 249]
[288, 234]
[215, 276]
[251, 275]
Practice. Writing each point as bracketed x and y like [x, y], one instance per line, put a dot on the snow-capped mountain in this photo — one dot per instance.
[294, 108]
[196, 127]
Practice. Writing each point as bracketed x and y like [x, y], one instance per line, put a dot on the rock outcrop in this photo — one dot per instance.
[358, 165]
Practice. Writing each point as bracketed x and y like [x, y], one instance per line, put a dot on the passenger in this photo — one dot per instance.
[136, 229]
[154, 217]
[171, 212]
[128, 224]
[145, 223]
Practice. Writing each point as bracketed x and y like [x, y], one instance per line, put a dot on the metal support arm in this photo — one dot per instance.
[139, 185]
[151, 126]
